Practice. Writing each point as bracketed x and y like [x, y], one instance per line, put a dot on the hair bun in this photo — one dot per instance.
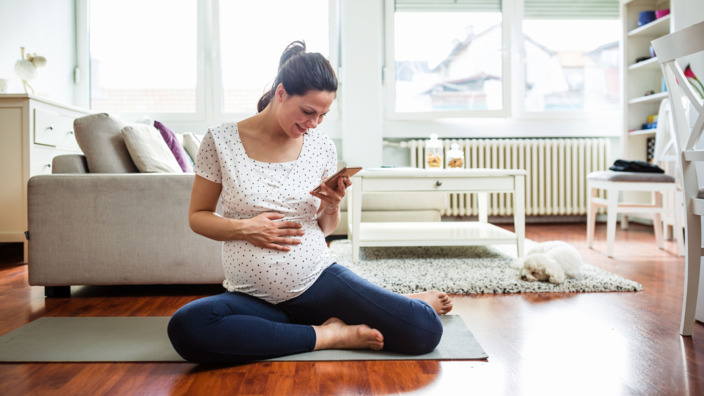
[295, 48]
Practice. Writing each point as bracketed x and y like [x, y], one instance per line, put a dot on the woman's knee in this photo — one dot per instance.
[423, 337]
[180, 330]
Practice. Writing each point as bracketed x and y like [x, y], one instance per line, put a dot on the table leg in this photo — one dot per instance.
[483, 206]
[355, 215]
[519, 214]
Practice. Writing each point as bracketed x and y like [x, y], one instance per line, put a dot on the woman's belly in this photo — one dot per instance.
[272, 275]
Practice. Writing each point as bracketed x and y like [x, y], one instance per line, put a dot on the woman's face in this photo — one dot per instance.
[298, 113]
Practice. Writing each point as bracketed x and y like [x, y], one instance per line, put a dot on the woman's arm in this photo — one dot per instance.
[262, 230]
[329, 212]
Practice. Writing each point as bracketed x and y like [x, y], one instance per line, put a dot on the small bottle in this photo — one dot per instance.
[433, 152]
[455, 157]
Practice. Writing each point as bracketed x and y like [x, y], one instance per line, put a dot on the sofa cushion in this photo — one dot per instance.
[191, 142]
[175, 146]
[100, 139]
[149, 150]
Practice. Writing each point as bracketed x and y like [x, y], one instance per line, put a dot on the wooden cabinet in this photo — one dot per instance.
[643, 86]
[32, 132]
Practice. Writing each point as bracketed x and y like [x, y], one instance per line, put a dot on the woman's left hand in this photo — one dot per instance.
[331, 198]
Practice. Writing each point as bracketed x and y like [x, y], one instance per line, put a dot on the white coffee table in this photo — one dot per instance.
[451, 233]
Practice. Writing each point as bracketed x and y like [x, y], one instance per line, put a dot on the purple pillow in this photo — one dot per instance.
[174, 145]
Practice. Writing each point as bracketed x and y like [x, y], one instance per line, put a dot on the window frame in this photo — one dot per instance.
[389, 76]
[514, 77]
[209, 95]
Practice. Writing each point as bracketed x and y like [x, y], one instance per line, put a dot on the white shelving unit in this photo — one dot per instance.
[33, 130]
[640, 77]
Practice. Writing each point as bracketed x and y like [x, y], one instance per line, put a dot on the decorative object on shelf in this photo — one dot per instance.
[694, 81]
[650, 150]
[649, 92]
[652, 122]
[26, 68]
[645, 17]
[642, 58]
[661, 13]
[433, 152]
[455, 157]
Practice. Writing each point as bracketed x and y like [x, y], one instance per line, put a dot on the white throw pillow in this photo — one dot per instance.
[149, 150]
[191, 142]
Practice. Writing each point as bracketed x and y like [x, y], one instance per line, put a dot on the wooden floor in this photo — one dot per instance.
[538, 344]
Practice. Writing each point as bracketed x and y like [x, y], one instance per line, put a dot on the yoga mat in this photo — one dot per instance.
[144, 339]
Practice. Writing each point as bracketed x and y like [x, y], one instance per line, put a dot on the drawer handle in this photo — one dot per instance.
[49, 128]
[69, 133]
[438, 183]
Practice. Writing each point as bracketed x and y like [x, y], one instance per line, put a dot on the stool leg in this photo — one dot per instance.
[611, 212]
[591, 216]
[657, 220]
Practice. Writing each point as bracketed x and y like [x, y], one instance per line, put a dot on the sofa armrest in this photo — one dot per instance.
[69, 163]
[105, 229]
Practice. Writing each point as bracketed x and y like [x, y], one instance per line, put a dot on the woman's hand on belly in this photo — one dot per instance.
[265, 231]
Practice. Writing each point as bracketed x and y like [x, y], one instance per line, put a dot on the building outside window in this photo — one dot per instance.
[571, 56]
[452, 58]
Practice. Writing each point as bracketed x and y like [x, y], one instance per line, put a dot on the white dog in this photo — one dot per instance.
[552, 261]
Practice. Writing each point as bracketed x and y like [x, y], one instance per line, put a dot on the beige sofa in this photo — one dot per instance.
[115, 226]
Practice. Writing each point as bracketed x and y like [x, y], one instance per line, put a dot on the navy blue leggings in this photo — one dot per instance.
[237, 328]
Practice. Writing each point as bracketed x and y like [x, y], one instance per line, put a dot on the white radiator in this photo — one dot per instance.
[556, 179]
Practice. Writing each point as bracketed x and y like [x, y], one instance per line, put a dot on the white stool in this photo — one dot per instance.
[616, 182]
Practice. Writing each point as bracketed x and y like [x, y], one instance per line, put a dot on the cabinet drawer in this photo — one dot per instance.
[41, 160]
[54, 129]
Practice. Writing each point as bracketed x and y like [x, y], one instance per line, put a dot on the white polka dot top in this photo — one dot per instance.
[251, 187]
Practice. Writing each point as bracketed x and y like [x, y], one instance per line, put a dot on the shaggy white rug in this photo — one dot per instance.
[464, 270]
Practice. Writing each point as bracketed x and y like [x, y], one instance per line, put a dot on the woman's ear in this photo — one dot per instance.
[280, 93]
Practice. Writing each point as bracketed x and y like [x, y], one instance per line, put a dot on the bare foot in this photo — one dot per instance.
[336, 334]
[440, 302]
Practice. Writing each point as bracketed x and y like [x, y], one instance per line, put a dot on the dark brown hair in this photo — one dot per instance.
[300, 72]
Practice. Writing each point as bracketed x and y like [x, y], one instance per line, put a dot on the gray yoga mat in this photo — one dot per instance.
[144, 339]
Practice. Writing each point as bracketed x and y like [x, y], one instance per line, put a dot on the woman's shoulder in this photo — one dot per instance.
[224, 133]
[320, 137]
[226, 128]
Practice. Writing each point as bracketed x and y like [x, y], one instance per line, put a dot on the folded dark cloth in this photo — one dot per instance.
[635, 166]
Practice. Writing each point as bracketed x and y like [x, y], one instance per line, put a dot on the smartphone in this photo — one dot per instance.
[332, 180]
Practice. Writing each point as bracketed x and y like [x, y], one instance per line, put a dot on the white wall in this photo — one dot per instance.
[44, 27]
[360, 90]
[687, 13]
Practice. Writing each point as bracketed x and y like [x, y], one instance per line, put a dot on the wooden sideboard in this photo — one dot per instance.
[33, 131]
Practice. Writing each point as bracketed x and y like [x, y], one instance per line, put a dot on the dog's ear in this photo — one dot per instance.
[554, 272]
[527, 275]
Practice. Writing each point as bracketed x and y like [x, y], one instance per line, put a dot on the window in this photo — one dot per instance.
[248, 27]
[196, 59]
[453, 58]
[576, 69]
[448, 57]
[142, 63]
